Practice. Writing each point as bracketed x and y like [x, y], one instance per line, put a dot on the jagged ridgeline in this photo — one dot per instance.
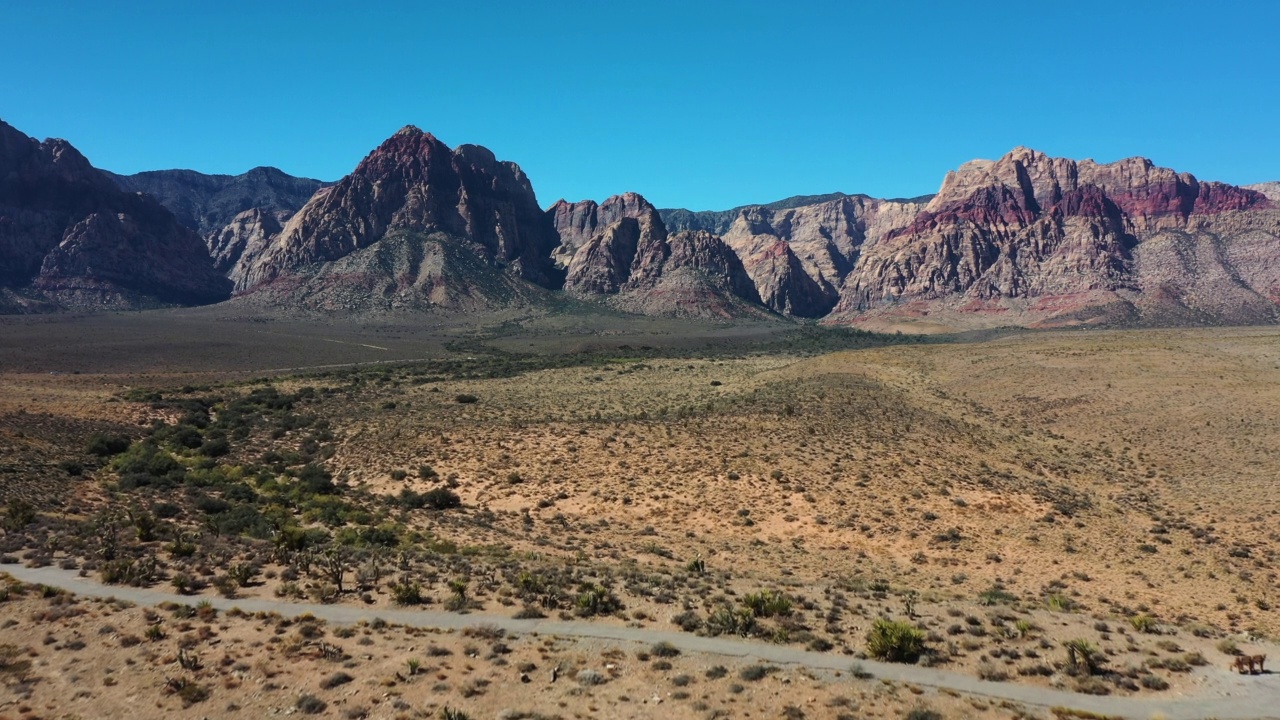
[421, 227]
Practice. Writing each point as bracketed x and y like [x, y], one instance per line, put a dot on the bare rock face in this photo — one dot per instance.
[799, 257]
[248, 233]
[70, 238]
[576, 223]
[1029, 227]
[208, 203]
[1271, 190]
[403, 272]
[410, 185]
[636, 265]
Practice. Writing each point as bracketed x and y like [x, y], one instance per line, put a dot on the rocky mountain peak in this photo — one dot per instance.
[576, 223]
[65, 156]
[413, 183]
[69, 235]
[1034, 181]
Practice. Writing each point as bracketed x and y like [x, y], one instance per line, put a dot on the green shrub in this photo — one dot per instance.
[107, 445]
[18, 513]
[1143, 623]
[767, 603]
[895, 641]
[442, 499]
[406, 593]
[1083, 656]
[728, 621]
[596, 600]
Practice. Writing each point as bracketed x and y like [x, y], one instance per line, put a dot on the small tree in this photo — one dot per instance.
[334, 568]
[18, 513]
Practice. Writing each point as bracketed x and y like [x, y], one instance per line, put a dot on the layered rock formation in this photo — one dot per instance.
[417, 190]
[718, 222]
[208, 203]
[621, 250]
[70, 238]
[576, 223]
[1024, 240]
[1087, 238]
[800, 257]
[231, 212]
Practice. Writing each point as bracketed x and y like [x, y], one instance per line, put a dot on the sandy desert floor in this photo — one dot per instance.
[1006, 497]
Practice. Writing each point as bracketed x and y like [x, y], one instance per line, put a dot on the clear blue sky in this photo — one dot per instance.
[695, 104]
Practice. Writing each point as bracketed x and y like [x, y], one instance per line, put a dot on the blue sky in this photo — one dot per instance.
[695, 104]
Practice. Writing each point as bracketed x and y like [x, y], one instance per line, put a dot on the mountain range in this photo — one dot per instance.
[1025, 240]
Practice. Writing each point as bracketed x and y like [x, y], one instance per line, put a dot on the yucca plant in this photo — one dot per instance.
[1083, 655]
[895, 641]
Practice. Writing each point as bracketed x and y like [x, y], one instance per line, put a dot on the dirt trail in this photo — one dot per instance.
[1221, 694]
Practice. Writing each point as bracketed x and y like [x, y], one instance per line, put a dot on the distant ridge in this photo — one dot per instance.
[1026, 239]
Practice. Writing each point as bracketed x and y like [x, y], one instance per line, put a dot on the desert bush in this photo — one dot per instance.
[995, 595]
[529, 612]
[1153, 682]
[895, 641]
[104, 445]
[189, 691]
[310, 704]
[434, 499]
[465, 399]
[334, 680]
[596, 600]
[752, 673]
[1143, 623]
[728, 621]
[989, 671]
[767, 603]
[407, 593]
[18, 514]
[664, 649]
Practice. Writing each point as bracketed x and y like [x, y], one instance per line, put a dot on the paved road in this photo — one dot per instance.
[1224, 695]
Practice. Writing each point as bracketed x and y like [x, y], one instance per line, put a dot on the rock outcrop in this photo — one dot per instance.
[635, 264]
[1027, 239]
[70, 238]
[1073, 241]
[576, 223]
[718, 222]
[208, 203]
[248, 233]
[417, 190]
[800, 257]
